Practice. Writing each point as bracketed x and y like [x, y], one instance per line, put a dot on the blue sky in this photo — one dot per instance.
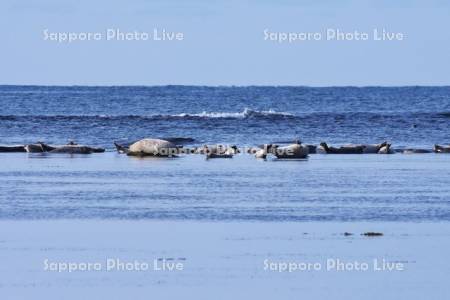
[224, 43]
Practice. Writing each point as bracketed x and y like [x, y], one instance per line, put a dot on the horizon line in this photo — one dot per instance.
[222, 86]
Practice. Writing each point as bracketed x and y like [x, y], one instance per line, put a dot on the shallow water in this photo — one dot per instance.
[325, 187]
[223, 260]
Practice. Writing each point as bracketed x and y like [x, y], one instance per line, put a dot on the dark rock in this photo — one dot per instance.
[372, 234]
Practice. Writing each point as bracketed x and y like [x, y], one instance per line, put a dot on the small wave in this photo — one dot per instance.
[445, 114]
[247, 113]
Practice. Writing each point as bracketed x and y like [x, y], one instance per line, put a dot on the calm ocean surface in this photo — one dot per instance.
[332, 188]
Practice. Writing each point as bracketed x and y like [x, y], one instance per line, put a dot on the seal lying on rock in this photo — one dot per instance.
[70, 148]
[39, 147]
[77, 149]
[149, 147]
[374, 148]
[342, 150]
[383, 148]
[294, 151]
[11, 149]
[441, 149]
[415, 151]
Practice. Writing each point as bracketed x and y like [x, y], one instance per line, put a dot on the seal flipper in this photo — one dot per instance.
[120, 148]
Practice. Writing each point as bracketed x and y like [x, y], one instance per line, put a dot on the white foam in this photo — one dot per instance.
[238, 115]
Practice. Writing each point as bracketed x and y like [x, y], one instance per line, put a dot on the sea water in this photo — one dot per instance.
[322, 188]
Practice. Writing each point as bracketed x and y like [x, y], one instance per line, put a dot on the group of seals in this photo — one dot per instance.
[167, 148]
[164, 148]
[299, 151]
[382, 148]
[39, 147]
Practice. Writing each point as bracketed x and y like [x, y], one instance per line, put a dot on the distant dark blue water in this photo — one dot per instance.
[405, 116]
